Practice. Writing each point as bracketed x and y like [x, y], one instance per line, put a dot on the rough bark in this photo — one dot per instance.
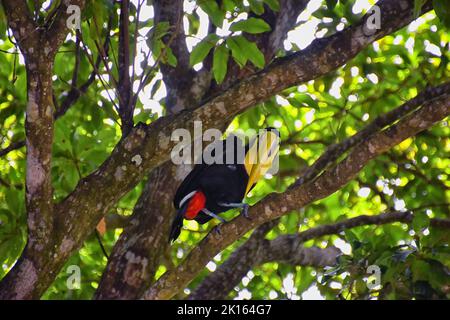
[227, 276]
[39, 46]
[185, 89]
[124, 85]
[185, 86]
[137, 254]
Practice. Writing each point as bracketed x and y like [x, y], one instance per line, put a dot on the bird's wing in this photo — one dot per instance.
[189, 184]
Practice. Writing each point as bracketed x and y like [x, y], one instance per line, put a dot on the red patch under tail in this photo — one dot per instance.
[196, 204]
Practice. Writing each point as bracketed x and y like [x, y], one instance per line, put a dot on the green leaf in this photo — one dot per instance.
[14, 200]
[251, 25]
[237, 52]
[202, 49]
[420, 221]
[353, 239]
[442, 9]
[161, 30]
[213, 11]
[256, 6]
[220, 62]
[256, 56]
[418, 4]
[274, 5]
[303, 100]
[2, 23]
[420, 270]
[170, 57]
[331, 4]
[228, 5]
[251, 51]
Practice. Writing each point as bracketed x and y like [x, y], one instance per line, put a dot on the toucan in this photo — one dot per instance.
[213, 188]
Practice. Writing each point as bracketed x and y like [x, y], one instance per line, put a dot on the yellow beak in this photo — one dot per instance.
[259, 158]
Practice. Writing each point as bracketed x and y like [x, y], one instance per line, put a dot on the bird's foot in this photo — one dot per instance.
[244, 211]
[242, 205]
[217, 229]
[213, 215]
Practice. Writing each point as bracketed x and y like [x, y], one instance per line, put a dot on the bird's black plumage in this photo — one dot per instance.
[214, 188]
[223, 182]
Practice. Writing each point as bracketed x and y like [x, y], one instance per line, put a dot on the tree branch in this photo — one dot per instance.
[21, 22]
[141, 239]
[289, 249]
[124, 86]
[136, 255]
[333, 151]
[38, 125]
[283, 249]
[217, 285]
[185, 87]
[11, 147]
[57, 30]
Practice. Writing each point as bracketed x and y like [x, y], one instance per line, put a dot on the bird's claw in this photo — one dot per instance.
[213, 215]
[217, 229]
[244, 206]
[244, 212]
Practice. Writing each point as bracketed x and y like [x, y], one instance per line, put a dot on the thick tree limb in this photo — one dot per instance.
[136, 255]
[38, 123]
[124, 85]
[289, 249]
[22, 24]
[185, 87]
[335, 150]
[284, 249]
[116, 221]
[295, 197]
[38, 51]
[57, 30]
[217, 285]
[39, 138]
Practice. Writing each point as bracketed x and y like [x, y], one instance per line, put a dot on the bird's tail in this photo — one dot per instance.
[177, 223]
